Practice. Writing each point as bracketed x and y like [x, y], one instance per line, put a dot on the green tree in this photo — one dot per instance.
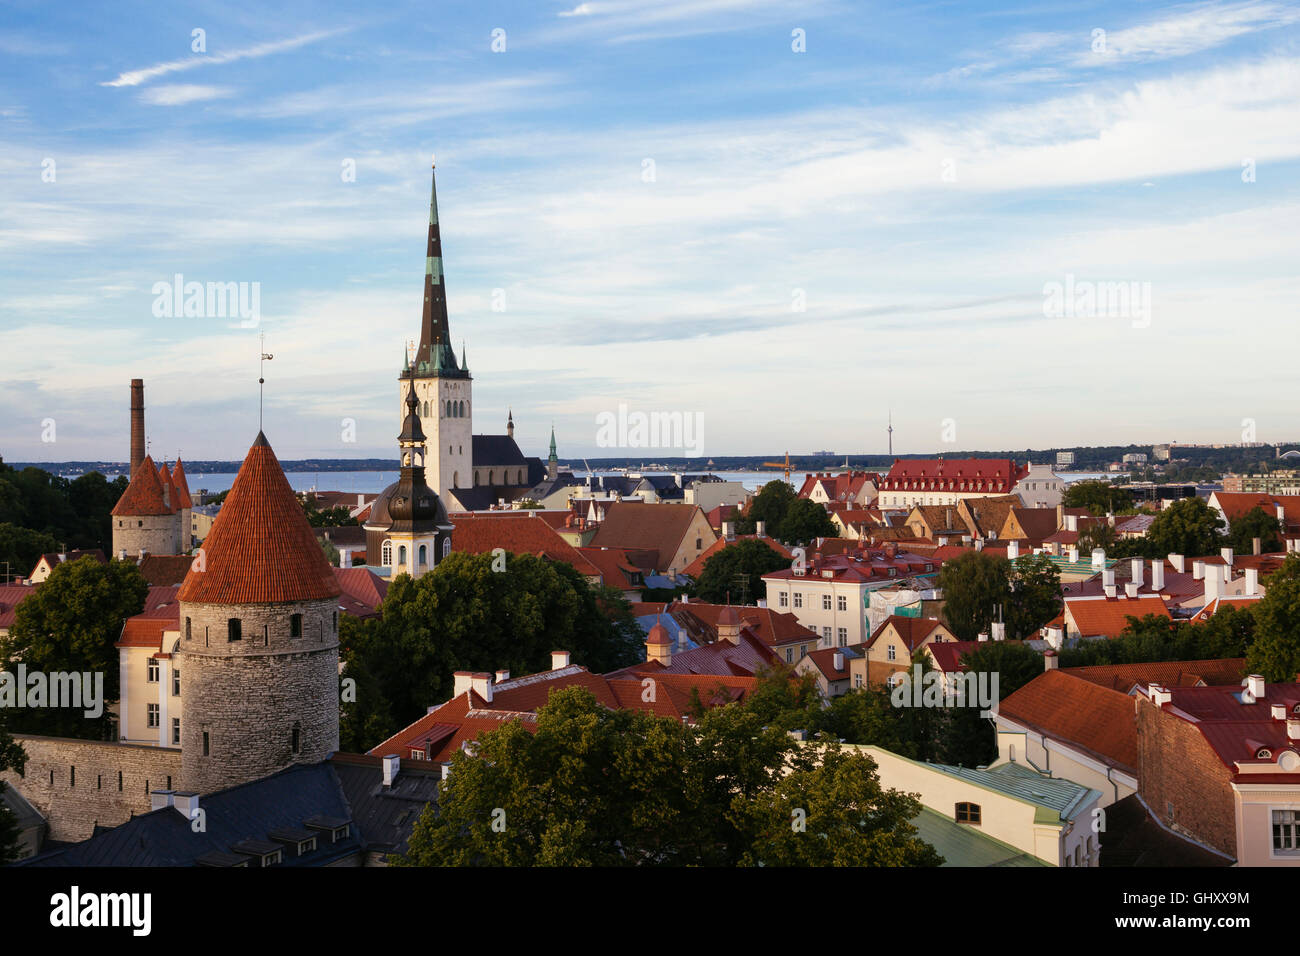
[599, 787]
[736, 571]
[331, 553]
[12, 757]
[1034, 597]
[464, 615]
[768, 506]
[805, 521]
[1255, 523]
[975, 585]
[1099, 497]
[1275, 651]
[72, 623]
[21, 548]
[1189, 526]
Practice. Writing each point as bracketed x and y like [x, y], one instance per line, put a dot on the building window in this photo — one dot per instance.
[446, 546]
[970, 813]
[207, 744]
[789, 655]
[424, 555]
[803, 651]
[826, 633]
[176, 731]
[857, 681]
[72, 776]
[295, 625]
[176, 682]
[153, 670]
[891, 653]
[234, 629]
[401, 555]
[842, 636]
[841, 603]
[826, 602]
[798, 599]
[1286, 832]
[119, 781]
[783, 599]
[386, 554]
[296, 738]
[187, 629]
[152, 710]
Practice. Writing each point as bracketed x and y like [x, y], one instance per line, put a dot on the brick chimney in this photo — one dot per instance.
[1157, 574]
[137, 423]
[1050, 661]
[559, 659]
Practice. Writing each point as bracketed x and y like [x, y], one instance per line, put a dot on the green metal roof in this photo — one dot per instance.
[962, 844]
[1057, 799]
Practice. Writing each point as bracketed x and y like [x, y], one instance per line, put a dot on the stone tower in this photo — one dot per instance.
[442, 385]
[259, 649]
[144, 519]
[408, 529]
[552, 460]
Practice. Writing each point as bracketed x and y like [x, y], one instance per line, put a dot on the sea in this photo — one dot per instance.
[373, 482]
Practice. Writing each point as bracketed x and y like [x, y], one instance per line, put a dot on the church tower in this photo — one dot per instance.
[444, 404]
[552, 460]
[259, 646]
[408, 530]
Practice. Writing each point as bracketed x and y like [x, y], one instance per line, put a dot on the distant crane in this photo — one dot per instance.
[776, 464]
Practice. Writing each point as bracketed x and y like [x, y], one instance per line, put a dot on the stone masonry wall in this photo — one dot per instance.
[75, 783]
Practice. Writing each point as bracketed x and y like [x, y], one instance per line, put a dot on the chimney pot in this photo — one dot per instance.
[1278, 711]
[161, 798]
[391, 764]
[1157, 574]
[502, 676]
[1256, 685]
[1160, 695]
[1252, 581]
[1179, 562]
[1050, 661]
[1293, 728]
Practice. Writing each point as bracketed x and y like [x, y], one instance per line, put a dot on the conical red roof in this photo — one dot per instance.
[169, 486]
[144, 495]
[261, 550]
[182, 486]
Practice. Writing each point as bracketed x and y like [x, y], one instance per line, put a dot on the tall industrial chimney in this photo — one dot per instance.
[137, 423]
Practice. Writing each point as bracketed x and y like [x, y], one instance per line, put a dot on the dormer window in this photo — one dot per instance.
[1263, 753]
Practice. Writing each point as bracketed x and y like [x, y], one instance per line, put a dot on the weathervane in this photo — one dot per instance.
[265, 357]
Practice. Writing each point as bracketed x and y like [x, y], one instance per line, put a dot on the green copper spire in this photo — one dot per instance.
[553, 456]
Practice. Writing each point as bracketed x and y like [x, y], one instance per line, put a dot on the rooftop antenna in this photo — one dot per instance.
[261, 380]
[891, 434]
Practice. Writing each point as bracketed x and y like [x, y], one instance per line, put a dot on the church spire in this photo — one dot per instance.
[435, 354]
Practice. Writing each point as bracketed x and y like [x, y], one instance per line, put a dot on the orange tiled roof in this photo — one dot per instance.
[1078, 712]
[144, 495]
[182, 485]
[1123, 677]
[519, 533]
[911, 630]
[261, 550]
[1107, 617]
[645, 527]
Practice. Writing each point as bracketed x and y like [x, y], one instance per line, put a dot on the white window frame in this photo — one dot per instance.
[152, 670]
[153, 715]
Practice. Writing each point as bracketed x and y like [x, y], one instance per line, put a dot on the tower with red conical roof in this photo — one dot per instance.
[145, 518]
[259, 637]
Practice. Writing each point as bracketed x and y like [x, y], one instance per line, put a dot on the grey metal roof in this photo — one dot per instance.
[1052, 793]
[489, 450]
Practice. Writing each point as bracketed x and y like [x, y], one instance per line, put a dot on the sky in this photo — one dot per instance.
[782, 221]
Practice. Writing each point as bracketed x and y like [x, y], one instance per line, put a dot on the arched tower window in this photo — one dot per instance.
[424, 555]
[426, 409]
[449, 408]
[401, 555]
[462, 409]
[386, 554]
[446, 546]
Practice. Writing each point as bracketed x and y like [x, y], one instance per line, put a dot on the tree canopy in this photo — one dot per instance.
[475, 612]
[1099, 497]
[600, 787]
[72, 623]
[735, 573]
[1255, 523]
[73, 513]
[805, 521]
[975, 586]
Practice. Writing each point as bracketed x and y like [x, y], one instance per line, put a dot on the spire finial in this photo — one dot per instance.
[265, 357]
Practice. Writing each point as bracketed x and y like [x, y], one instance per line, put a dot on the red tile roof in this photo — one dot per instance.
[773, 628]
[1124, 677]
[1237, 504]
[165, 569]
[446, 728]
[363, 591]
[182, 485]
[51, 558]
[824, 660]
[261, 550]
[616, 571]
[144, 495]
[11, 595]
[646, 527]
[947, 655]
[1085, 715]
[1238, 730]
[988, 475]
[720, 658]
[1108, 617]
[911, 630]
[518, 533]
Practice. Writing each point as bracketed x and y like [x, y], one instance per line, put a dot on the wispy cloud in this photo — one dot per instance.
[136, 77]
[179, 94]
[1199, 28]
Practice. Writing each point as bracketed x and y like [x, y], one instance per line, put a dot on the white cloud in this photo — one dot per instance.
[581, 10]
[136, 77]
[181, 93]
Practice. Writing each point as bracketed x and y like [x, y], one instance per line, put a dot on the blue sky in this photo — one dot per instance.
[915, 177]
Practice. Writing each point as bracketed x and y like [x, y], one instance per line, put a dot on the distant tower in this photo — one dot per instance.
[144, 519]
[891, 435]
[552, 461]
[442, 386]
[408, 529]
[510, 423]
[259, 645]
[137, 424]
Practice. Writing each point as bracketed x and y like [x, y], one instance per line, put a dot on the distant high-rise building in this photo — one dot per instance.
[1065, 459]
